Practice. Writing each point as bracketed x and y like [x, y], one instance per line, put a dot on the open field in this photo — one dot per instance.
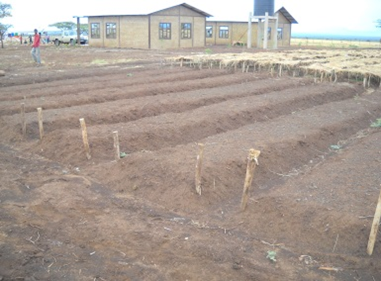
[330, 43]
[313, 196]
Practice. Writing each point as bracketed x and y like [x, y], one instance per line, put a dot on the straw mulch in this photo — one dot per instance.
[335, 65]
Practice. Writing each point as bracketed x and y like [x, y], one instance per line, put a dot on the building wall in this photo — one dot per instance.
[286, 28]
[134, 32]
[143, 31]
[238, 33]
[176, 16]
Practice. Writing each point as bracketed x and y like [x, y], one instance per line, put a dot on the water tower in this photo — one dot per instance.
[263, 6]
[267, 24]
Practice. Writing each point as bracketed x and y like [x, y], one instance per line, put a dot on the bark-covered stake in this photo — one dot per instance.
[40, 123]
[198, 167]
[23, 121]
[375, 224]
[116, 145]
[252, 162]
[84, 137]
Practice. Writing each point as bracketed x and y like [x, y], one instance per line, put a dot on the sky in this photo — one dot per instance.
[324, 17]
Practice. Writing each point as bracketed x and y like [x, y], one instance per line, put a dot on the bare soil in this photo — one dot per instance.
[64, 217]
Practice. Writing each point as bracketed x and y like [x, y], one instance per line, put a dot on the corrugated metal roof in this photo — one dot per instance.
[286, 14]
[151, 9]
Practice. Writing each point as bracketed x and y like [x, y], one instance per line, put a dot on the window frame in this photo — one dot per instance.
[95, 35]
[186, 32]
[209, 35]
[111, 26]
[280, 33]
[165, 31]
[223, 32]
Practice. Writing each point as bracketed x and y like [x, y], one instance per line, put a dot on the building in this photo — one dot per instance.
[235, 33]
[181, 26]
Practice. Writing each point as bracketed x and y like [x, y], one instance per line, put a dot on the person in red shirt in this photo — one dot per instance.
[36, 48]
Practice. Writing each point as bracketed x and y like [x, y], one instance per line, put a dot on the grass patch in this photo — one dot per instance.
[99, 62]
[376, 124]
[208, 51]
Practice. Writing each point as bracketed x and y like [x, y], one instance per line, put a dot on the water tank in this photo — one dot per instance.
[263, 6]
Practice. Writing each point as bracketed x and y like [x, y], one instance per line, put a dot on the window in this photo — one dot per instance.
[110, 30]
[164, 30]
[224, 32]
[269, 33]
[95, 30]
[186, 31]
[280, 33]
[209, 31]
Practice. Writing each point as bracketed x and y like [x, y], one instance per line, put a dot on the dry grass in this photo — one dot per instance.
[330, 43]
[333, 65]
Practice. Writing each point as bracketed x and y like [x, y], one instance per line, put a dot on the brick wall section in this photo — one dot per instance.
[143, 31]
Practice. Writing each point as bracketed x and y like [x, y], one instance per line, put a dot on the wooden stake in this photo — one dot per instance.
[252, 162]
[181, 62]
[200, 156]
[280, 71]
[40, 123]
[116, 145]
[23, 121]
[375, 224]
[243, 67]
[84, 137]
[364, 82]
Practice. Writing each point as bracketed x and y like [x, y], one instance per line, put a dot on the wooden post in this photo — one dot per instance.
[280, 70]
[84, 137]
[375, 224]
[252, 162]
[40, 123]
[181, 62]
[116, 145]
[23, 121]
[200, 156]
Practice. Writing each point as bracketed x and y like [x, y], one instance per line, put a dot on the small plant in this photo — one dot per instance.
[271, 255]
[335, 147]
[376, 124]
[99, 62]
[208, 51]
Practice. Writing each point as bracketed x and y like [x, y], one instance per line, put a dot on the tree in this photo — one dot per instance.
[5, 11]
[64, 25]
[68, 25]
[84, 27]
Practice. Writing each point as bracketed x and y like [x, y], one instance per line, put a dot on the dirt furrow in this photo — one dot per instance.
[172, 129]
[308, 134]
[81, 86]
[133, 109]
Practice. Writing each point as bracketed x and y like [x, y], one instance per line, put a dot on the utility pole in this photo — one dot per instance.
[78, 31]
